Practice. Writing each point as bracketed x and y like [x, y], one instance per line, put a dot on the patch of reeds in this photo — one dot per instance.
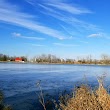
[86, 99]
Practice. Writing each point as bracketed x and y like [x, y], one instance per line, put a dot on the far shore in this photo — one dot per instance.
[47, 63]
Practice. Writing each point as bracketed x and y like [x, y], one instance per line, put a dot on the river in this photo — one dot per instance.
[19, 81]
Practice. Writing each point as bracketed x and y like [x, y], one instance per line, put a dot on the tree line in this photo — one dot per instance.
[4, 57]
[49, 58]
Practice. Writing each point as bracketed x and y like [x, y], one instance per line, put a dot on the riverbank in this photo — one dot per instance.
[46, 63]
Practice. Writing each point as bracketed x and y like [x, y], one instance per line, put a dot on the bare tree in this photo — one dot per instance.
[105, 58]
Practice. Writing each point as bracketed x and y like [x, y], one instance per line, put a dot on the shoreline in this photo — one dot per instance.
[46, 63]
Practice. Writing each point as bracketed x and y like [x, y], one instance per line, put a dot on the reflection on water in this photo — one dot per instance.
[18, 79]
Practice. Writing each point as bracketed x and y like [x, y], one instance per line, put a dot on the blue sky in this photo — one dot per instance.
[66, 28]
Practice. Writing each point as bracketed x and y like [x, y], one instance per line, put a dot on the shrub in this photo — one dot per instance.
[86, 99]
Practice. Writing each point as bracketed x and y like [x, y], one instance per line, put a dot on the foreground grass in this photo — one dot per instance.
[86, 99]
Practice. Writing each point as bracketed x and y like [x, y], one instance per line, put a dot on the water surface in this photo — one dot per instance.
[18, 81]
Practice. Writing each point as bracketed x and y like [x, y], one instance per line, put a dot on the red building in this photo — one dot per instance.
[18, 59]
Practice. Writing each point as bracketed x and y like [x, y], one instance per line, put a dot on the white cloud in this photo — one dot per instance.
[66, 30]
[97, 35]
[16, 34]
[65, 45]
[15, 17]
[69, 8]
[21, 36]
[68, 18]
[61, 5]
[11, 14]
[66, 12]
[48, 8]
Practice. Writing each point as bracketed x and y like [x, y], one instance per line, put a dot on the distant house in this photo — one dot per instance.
[18, 59]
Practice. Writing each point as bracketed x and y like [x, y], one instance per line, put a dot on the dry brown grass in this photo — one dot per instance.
[85, 99]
